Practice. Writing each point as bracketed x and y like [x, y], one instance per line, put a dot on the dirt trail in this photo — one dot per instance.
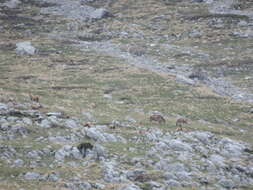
[181, 71]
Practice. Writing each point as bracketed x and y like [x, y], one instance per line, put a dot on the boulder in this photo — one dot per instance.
[25, 48]
[100, 13]
[5, 107]
[67, 151]
[178, 145]
[12, 4]
[18, 163]
[99, 152]
[130, 187]
[227, 183]
[53, 177]
[173, 183]
[31, 175]
[217, 160]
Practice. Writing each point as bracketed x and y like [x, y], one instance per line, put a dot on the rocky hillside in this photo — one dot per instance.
[52, 149]
[126, 95]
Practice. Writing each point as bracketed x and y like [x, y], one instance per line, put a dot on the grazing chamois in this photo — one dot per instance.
[157, 118]
[180, 123]
[84, 147]
[34, 98]
[88, 125]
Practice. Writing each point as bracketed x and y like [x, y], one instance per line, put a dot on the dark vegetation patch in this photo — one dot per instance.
[7, 46]
[243, 4]
[41, 4]
[216, 16]
[84, 148]
[172, 2]
[94, 37]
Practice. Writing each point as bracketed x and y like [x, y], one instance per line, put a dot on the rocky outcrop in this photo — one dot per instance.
[173, 159]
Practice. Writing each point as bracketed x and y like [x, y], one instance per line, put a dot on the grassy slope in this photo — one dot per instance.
[74, 82]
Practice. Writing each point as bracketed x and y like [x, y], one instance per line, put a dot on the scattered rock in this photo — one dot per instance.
[34, 154]
[53, 177]
[100, 136]
[176, 167]
[173, 183]
[100, 13]
[56, 114]
[185, 80]
[99, 186]
[19, 129]
[217, 160]
[130, 187]
[107, 96]
[3, 106]
[18, 163]
[130, 119]
[111, 173]
[99, 152]
[138, 175]
[76, 153]
[85, 185]
[12, 4]
[71, 123]
[25, 48]
[231, 148]
[204, 137]
[198, 74]
[45, 123]
[67, 151]
[180, 146]
[58, 139]
[27, 121]
[154, 184]
[195, 33]
[227, 183]
[32, 176]
[88, 116]
[137, 50]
